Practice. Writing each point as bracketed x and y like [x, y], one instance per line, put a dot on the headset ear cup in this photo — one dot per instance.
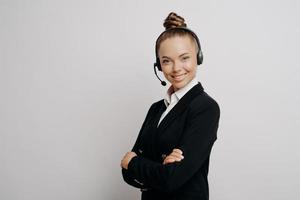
[199, 58]
[158, 64]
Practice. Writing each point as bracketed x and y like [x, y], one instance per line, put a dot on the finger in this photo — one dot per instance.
[175, 158]
[178, 151]
[172, 159]
[169, 159]
[178, 155]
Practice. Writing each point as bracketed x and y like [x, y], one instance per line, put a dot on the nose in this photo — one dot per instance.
[176, 66]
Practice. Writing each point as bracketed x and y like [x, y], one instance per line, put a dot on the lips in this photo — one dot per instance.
[178, 77]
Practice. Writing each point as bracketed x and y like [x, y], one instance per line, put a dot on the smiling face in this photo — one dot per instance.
[178, 59]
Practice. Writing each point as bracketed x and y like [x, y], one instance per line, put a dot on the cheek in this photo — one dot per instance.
[191, 67]
[166, 70]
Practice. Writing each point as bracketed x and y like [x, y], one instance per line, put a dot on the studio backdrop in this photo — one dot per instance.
[76, 81]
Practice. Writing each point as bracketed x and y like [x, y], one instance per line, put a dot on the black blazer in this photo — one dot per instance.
[191, 125]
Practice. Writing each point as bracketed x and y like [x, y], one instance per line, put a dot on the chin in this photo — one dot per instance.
[179, 85]
[182, 83]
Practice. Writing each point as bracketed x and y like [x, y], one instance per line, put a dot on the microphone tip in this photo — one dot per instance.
[163, 83]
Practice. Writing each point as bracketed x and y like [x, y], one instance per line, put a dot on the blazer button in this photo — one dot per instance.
[163, 156]
[140, 151]
[144, 189]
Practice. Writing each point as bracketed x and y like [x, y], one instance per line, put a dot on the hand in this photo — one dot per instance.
[126, 159]
[175, 156]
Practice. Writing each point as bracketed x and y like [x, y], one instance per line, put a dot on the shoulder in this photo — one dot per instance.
[154, 107]
[204, 102]
[157, 104]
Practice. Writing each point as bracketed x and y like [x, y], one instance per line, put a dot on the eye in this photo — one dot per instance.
[186, 57]
[165, 61]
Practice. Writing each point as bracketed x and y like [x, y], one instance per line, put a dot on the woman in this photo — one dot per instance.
[170, 158]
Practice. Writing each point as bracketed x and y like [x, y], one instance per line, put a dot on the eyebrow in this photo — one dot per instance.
[179, 55]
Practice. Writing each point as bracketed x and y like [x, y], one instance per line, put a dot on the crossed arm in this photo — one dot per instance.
[175, 156]
[195, 146]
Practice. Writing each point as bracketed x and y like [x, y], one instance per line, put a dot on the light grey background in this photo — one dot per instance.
[76, 81]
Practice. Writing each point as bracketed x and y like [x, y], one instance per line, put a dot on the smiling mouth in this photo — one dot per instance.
[178, 77]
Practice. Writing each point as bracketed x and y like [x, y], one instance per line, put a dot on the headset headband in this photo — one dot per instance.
[179, 28]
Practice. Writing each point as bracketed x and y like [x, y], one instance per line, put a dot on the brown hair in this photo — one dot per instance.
[174, 21]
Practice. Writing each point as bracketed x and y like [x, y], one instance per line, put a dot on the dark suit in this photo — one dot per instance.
[191, 125]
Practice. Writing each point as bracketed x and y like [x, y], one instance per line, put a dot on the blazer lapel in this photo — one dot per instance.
[180, 106]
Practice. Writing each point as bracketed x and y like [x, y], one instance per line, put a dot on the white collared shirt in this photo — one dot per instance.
[172, 98]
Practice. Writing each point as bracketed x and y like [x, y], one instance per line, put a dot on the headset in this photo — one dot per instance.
[199, 54]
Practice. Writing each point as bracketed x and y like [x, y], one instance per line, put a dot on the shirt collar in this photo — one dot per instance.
[176, 96]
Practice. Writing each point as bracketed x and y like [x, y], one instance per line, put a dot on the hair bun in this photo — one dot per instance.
[173, 20]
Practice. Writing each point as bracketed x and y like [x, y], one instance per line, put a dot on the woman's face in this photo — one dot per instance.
[178, 59]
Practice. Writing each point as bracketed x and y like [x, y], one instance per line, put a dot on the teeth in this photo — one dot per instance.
[178, 76]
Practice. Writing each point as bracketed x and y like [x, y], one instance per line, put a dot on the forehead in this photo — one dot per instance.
[176, 45]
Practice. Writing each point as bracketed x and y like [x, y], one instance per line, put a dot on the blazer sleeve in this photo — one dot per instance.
[128, 176]
[196, 143]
